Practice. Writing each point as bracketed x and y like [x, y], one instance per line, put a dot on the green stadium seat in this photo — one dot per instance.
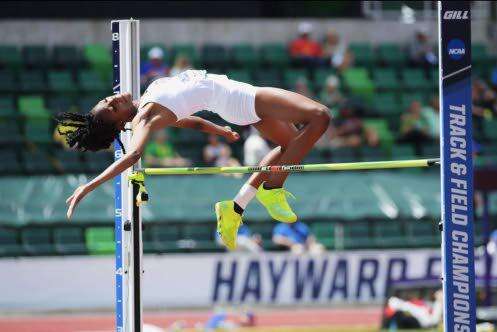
[317, 156]
[99, 59]
[9, 243]
[406, 99]
[325, 233]
[320, 77]
[100, 240]
[403, 151]
[69, 241]
[381, 127]
[37, 241]
[490, 129]
[202, 236]
[241, 75]
[35, 56]
[433, 78]
[479, 55]
[268, 77]
[10, 161]
[291, 76]
[10, 57]
[33, 107]
[66, 57]
[391, 54]
[214, 56]
[275, 55]
[431, 150]
[32, 81]
[387, 104]
[422, 233]
[61, 82]
[37, 162]
[369, 153]
[415, 80]
[385, 79]
[91, 82]
[357, 81]
[244, 56]
[388, 234]
[344, 155]
[10, 133]
[86, 103]
[364, 55]
[8, 82]
[98, 161]
[70, 161]
[357, 236]
[164, 238]
[7, 108]
[187, 50]
[61, 103]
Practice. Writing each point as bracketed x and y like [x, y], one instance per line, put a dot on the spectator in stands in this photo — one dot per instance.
[297, 238]
[431, 113]
[155, 67]
[330, 95]
[246, 241]
[160, 152]
[484, 99]
[304, 50]
[336, 52]
[414, 128]
[302, 87]
[181, 63]
[348, 130]
[217, 153]
[421, 51]
[255, 148]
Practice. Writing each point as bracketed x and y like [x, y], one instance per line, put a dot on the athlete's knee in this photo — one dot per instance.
[321, 117]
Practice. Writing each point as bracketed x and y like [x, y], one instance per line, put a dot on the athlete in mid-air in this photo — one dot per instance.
[170, 102]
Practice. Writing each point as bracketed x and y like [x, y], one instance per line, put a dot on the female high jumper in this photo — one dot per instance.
[170, 102]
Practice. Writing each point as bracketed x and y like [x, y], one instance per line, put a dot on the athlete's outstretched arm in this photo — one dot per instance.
[194, 122]
[141, 132]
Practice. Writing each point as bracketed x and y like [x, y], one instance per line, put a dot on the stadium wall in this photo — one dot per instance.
[201, 280]
[222, 31]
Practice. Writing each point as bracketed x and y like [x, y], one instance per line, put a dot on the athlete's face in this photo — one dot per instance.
[116, 109]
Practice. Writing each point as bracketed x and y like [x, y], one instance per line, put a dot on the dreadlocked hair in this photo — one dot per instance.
[83, 132]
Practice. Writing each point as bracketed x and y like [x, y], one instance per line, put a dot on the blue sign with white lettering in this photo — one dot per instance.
[457, 167]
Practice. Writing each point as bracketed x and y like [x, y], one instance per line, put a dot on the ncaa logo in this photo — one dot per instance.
[456, 49]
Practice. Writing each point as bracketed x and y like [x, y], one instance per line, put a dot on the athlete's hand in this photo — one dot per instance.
[75, 198]
[230, 135]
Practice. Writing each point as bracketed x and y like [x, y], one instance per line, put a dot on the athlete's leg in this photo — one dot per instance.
[286, 106]
[278, 132]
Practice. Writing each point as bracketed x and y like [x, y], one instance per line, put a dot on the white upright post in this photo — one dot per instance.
[126, 69]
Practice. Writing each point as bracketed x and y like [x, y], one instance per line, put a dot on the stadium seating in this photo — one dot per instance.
[37, 241]
[100, 240]
[10, 57]
[37, 82]
[9, 243]
[69, 241]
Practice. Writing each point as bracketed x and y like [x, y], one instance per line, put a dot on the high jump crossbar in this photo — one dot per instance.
[292, 168]
[456, 172]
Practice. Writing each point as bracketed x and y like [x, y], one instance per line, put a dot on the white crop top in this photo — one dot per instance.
[184, 94]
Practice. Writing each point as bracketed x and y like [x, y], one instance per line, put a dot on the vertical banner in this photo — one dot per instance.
[456, 165]
[116, 88]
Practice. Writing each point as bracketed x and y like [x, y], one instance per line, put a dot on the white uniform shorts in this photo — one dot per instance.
[233, 101]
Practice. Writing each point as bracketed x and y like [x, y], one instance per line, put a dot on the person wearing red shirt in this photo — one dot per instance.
[304, 50]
